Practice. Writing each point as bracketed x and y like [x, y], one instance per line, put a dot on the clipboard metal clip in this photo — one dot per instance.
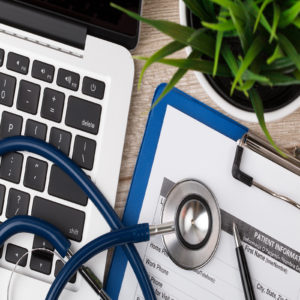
[262, 147]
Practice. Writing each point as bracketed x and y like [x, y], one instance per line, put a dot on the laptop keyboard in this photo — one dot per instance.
[45, 102]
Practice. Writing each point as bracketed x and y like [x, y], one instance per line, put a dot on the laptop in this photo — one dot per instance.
[66, 76]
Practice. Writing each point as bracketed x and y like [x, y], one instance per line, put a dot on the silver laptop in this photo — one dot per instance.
[66, 77]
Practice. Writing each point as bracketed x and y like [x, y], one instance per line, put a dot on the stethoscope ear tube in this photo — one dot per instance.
[39, 147]
[134, 234]
[28, 224]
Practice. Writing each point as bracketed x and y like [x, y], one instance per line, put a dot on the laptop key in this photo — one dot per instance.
[84, 152]
[93, 88]
[40, 263]
[62, 186]
[36, 130]
[17, 203]
[42, 71]
[35, 174]
[14, 253]
[1, 57]
[11, 167]
[68, 79]
[53, 104]
[60, 139]
[83, 115]
[11, 125]
[68, 220]
[41, 243]
[7, 89]
[58, 266]
[2, 195]
[28, 97]
[17, 63]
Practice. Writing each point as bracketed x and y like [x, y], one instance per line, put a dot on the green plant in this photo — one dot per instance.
[268, 32]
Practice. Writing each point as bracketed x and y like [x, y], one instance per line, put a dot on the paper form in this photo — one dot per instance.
[270, 228]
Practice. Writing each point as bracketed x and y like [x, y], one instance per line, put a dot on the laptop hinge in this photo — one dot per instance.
[41, 23]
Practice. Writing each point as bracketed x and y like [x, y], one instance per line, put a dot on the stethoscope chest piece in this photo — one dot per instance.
[197, 224]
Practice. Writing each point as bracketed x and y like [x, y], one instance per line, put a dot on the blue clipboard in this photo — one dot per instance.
[195, 109]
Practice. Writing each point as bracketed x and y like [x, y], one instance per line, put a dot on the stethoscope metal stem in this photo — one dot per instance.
[162, 229]
[91, 279]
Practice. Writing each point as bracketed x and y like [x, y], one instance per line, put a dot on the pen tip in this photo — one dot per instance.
[236, 235]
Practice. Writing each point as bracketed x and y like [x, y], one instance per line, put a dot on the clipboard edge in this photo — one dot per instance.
[132, 210]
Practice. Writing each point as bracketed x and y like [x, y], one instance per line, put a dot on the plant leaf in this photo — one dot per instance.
[223, 15]
[174, 80]
[276, 17]
[222, 26]
[250, 56]
[296, 22]
[171, 84]
[259, 110]
[230, 59]
[208, 6]
[196, 64]
[264, 22]
[289, 49]
[232, 63]
[241, 26]
[297, 74]
[230, 34]
[260, 13]
[292, 33]
[225, 3]
[276, 54]
[163, 52]
[217, 51]
[197, 9]
[246, 86]
[196, 35]
[279, 64]
[204, 44]
[279, 79]
[251, 76]
[234, 67]
[289, 15]
[256, 77]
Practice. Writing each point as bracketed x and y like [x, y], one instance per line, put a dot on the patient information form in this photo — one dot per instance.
[269, 228]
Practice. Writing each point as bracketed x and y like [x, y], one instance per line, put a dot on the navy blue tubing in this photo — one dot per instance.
[133, 234]
[21, 143]
[36, 226]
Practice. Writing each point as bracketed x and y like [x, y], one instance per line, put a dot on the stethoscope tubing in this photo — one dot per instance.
[20, 143]
[29, 224]
[134, 234]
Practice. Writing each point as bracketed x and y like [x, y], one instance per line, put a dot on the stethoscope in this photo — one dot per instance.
[190, 224]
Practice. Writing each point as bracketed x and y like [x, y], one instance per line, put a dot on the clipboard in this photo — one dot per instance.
[207, 116]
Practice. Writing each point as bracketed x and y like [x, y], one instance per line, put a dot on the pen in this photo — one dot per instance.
[91, 279]
[243, 267]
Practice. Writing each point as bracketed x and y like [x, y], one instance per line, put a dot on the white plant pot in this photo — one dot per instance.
[225, 105]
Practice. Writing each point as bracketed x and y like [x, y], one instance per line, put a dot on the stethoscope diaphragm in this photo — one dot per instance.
[197, 223]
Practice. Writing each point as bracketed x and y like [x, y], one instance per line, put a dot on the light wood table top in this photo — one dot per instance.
[286, 132]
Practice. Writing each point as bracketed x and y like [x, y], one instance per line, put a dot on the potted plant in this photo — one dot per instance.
[248, 53]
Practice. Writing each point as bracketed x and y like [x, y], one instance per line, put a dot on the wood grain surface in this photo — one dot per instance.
[286, 132]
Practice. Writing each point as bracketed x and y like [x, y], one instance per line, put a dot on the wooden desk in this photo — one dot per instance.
[286, 132]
